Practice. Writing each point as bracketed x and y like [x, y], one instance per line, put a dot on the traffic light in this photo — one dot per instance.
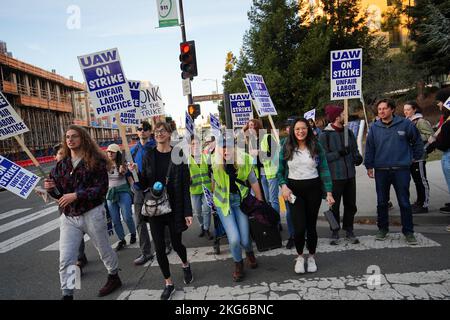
[188, 60]
[194, 110]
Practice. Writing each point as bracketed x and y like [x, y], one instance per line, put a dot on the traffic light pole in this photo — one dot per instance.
[183, 36]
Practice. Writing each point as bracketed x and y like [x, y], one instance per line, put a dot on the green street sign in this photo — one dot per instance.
[167, 13]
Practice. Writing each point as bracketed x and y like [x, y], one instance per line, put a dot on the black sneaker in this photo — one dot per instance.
[121, 245]
[419, 209]
[350, 237]
[290, 243]
[335, 238]
[67, 298]
[187, 275]
[133, 238]
[168, 292]
[445, 210]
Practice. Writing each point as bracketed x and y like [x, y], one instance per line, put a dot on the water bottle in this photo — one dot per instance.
[157, 188]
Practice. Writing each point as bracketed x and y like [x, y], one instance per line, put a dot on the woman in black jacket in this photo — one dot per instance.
[155, 167]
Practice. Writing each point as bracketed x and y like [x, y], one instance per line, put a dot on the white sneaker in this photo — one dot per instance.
[312, 267]
[299, 265]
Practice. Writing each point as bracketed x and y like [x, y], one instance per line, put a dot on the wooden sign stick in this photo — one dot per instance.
[128, 156]
[346, 122]
[30, 155]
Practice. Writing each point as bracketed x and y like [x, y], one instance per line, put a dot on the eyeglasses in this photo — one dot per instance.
[140, 129]
[159, 132]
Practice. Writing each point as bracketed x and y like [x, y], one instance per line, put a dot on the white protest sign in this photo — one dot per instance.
[151, 101]
[17, 179]
[167, 13]
[241, 109]
[311, 114]
[106, 83]
[189, 124]
[10, 123]
[215, 125]
[260, 93]
[447, 104]
[346, 74]
[132, 117]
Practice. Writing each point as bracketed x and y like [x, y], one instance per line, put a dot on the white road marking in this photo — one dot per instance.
[28, 236]
[395, 240]
[12, 213]
[412, 286]
[31, 217]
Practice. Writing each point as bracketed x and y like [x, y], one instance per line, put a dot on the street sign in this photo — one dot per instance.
[209, 97]
[17, 179]
[151, 101]
[131, 117]
[186, 87]
[346, 74]
[241, 109]
[311, 114]
[167, 13]
[106, 83]
[10, 123]
[258, 90]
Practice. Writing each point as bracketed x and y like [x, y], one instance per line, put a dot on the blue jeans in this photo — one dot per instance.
[271, 191]
[445, 162]
[400, 179]
[201, 209]
[237, 228]
[124, 205]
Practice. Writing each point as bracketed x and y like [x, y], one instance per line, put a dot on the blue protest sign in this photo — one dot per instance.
[215, 125]
[241, 109]
[189, 124]
[209, 198]
[447, 104]
[10, 123]
[311, 114]
[346, 74]
[257, 88]
[106, 83]
[131, 117]
[16, 179]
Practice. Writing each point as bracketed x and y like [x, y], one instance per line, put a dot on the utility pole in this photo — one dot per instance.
[183, 36]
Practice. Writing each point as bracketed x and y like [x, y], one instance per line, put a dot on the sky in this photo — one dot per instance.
[37, 32]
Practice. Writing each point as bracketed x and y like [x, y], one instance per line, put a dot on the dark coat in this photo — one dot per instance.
[178, 187]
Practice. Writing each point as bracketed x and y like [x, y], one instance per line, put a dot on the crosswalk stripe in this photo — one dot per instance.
[12, 213]
[55, 246]
[28, 236]
[28, 218]
[395, 240]
[394, 286]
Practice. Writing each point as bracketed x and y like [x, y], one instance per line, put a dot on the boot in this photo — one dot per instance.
[112, 284]
[251, 260]
[238, 273]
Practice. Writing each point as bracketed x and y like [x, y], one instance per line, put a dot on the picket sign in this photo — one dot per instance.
[123, 136]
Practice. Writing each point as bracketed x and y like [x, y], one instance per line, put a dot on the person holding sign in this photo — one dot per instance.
[161, 174]
[393, 143]
[229, 190]
[303, 175]
[341, 160]
[82, 180]
[198, 169]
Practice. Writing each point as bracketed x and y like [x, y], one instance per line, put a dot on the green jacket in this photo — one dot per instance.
[324, 172]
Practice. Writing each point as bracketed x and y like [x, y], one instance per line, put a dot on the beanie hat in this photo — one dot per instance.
[332, 112]
[443, 94]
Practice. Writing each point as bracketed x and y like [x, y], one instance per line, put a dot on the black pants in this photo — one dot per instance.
[157, 228]
[345, 189]
[304, 212]
[419, 175]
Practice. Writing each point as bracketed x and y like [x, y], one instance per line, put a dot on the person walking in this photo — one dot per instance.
[342, 160]
[393, 143]
[119, 197]
[413, 112]
[81, 179]
[158, 166]
[304, 176]
[231, 170]
[198, 169]
[441, 140]
[138, 153]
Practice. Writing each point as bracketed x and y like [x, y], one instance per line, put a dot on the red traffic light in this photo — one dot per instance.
[188, 60]
[185, 48]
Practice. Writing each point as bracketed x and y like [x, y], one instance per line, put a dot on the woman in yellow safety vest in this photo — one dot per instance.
[198, 169]
[231, 170]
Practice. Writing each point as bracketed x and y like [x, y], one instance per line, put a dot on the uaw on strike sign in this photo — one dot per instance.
[108, 88]
[346, 74]
[10, 123]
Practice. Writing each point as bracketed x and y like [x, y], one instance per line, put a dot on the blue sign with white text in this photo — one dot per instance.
[16, 179]
[346, 74]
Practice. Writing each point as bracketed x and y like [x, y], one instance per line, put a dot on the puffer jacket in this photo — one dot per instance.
[177, 189]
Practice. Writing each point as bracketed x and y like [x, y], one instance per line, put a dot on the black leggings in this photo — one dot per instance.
[304, 212]
[157, 228]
